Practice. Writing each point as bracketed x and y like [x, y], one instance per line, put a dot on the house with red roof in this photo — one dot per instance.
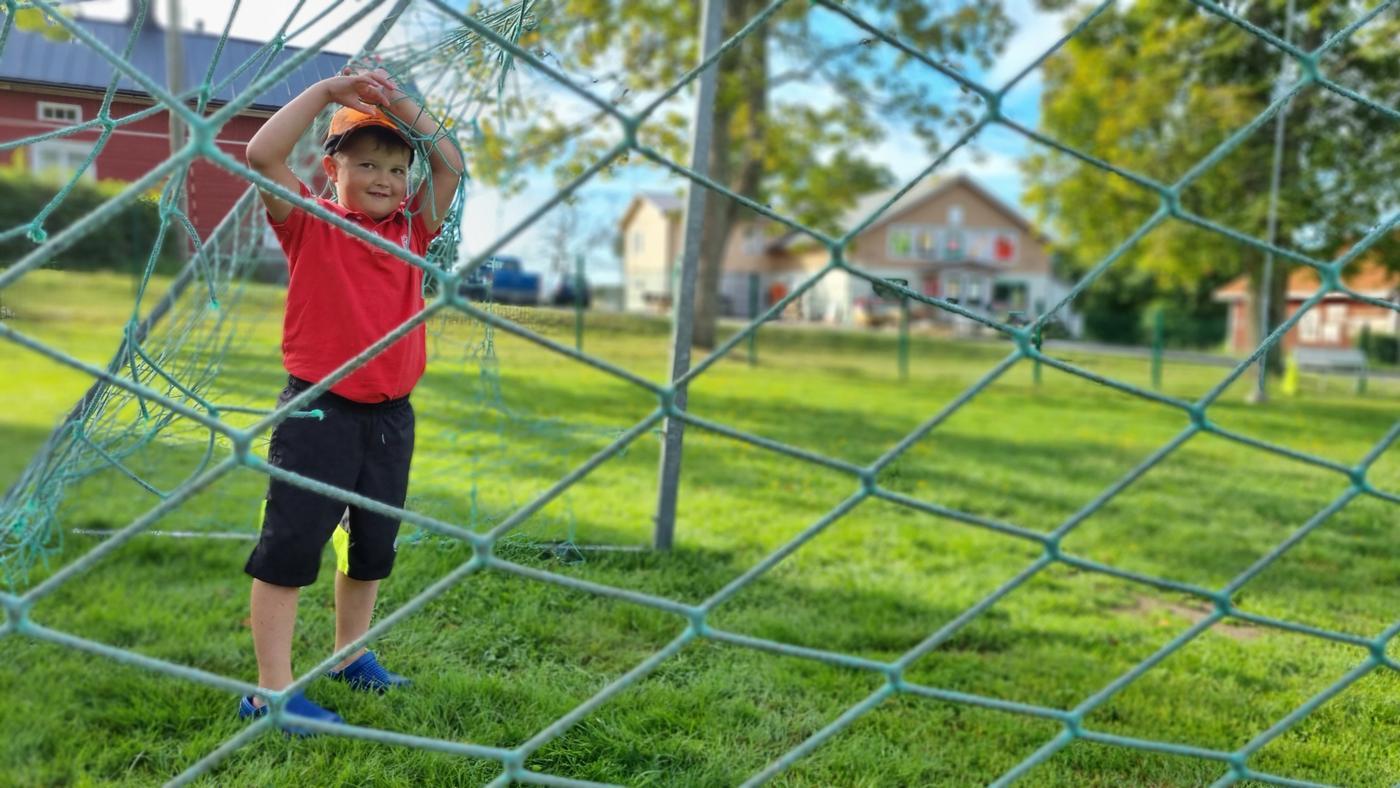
[1336, 322]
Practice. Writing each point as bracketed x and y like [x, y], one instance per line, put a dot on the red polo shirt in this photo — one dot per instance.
[344, 295]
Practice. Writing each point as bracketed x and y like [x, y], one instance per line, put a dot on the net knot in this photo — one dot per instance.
[1237, 764]
[481, 554]
[16, 614]
[1171, 202]
[667, 398]
[1331, 278]
[868, 482]
[1378, 649]
[894, 677]
[698, 624]
[993, 113]
[514, 763]
[1358, 478]
[1223, 605]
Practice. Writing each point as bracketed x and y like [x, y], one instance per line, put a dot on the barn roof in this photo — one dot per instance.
[30, 58]
[1367, 277]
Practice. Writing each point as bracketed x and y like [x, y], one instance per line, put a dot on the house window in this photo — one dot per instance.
[1011, 295]
[901, 243]
[54, 112]
[926, 245]
[953, 245]
[753, 240]
[637, 241]
[61, 157]
[955, 215]
[1333, 322]
[974, 290]
[1004, 247]
[1307, 327]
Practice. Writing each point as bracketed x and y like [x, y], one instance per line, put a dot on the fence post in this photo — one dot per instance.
[1158, 339]
[578, 302]
[903, 339]
[1365, 345]
[1038, 340]
[753, 315]
[683, 304]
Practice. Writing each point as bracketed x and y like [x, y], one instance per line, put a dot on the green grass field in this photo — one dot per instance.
[499, 657]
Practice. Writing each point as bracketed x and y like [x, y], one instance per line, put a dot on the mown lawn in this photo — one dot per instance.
[500, 657]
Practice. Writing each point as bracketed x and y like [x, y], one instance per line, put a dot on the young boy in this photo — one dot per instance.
[343, 295]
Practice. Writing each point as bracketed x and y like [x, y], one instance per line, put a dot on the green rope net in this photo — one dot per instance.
[170, 353]
[177, 347]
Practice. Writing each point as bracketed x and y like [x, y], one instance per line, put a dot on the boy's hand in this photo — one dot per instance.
[361, 91]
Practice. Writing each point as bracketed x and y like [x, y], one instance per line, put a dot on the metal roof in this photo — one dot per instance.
[31, 58]
[665, 201]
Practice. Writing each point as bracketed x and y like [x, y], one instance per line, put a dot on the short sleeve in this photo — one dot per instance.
[289, 230]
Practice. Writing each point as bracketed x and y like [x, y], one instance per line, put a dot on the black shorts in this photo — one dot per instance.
[363, 448]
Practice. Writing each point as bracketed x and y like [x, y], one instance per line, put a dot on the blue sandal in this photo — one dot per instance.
[298, 704]
[367, 675]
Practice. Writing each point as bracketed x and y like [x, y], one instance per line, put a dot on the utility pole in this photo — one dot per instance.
[175, 82]
[711, 23]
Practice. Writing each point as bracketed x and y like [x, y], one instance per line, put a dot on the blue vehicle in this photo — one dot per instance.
[502, 280]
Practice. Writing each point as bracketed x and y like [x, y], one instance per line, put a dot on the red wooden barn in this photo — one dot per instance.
[47, 85]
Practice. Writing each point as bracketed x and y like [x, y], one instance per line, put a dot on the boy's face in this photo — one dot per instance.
[369, 177]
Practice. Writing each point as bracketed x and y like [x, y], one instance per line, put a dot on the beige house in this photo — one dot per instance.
[949, 238]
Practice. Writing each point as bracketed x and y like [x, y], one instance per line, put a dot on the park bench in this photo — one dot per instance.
[1331, 361]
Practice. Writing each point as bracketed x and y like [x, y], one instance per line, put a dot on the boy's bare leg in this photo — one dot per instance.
[274, 618]
[354, 604]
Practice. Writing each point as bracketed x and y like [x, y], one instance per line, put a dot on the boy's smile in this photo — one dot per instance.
[369, 177]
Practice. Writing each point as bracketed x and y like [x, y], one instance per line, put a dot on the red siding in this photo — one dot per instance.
[135, 149]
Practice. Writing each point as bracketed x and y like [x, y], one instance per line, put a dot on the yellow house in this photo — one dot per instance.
[949, 238]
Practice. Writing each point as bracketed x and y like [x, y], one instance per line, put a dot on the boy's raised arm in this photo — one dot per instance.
[272, 145]
[444, 159]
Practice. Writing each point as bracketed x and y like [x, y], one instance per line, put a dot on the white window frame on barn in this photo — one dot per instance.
[1307, 327]
[55, 112]
[1333, 321]
[62, 156]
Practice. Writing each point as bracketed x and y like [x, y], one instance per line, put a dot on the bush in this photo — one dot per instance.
[1381, 348]
[1187, 326]
[123, 243]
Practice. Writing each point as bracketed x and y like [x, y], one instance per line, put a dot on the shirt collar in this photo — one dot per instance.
[355, 216]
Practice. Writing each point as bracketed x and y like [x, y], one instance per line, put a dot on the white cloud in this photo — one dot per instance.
[1036, 32]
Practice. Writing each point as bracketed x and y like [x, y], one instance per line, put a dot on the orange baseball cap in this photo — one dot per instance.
[346, 120]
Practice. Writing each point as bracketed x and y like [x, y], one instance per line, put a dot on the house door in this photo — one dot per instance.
[930, 285]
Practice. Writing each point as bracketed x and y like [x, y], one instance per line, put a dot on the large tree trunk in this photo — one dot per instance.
[719, 216]
[743, 97]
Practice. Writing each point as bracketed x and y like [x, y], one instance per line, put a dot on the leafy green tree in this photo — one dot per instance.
[1156, 85]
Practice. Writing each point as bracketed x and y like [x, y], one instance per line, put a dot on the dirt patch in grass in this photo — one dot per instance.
[1147, 606]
